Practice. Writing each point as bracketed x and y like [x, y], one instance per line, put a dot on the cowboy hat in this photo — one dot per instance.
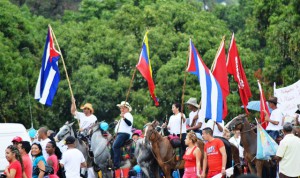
[272, 99]
[193, 102]
[89, 106]
[126, 104]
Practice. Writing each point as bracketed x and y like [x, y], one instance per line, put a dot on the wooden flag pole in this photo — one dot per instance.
[183, 90]
[130, 85]
[62, 59]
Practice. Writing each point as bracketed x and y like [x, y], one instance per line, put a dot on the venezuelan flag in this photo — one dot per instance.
[144, 66]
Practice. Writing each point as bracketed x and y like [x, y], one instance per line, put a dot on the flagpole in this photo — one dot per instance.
[214, 62]
[130, 85]
[183, 90]
[134, 72]
[67, 76]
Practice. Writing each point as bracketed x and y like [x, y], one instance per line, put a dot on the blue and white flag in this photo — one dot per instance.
[266, 146]
[49, 78]
[211, 92]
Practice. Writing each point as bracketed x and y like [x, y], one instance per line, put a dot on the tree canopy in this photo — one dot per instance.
[101, 42]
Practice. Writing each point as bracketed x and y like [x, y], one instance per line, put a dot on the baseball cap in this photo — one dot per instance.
[17, 139]
[70, 140]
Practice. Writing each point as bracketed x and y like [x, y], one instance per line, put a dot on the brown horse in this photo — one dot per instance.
[249, 142]
[162, 149]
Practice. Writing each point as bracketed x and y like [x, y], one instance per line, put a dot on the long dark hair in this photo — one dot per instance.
[15, 150]
[57, 150]
[40, 148]
[177, 105]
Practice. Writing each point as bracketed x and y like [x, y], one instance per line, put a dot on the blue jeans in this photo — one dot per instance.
[273, 133]
[118, 143]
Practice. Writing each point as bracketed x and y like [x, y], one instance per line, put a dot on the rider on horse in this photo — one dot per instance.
[122, 131]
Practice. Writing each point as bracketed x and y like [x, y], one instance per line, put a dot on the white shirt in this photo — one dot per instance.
[72, 159]
[236, 142]
[276, 115]
[85, 121]
[43, 144]
[210, 123]
[288, 150]
[124, 128]
[199, 120]
[174, 124]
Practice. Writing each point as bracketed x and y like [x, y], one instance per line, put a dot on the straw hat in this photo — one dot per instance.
[273, 99]
[193, 102]
[89, 106]
[126, 104]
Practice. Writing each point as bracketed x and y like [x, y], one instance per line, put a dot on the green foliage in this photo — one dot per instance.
[101, 42]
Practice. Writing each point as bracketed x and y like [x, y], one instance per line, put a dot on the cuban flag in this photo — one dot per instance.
[49, 78]
[211, 92]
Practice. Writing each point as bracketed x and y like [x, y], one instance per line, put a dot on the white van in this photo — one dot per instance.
[7, 132]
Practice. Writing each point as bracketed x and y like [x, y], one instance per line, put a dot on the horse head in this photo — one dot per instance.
[64, 131]
[237, 123]
[150, 130]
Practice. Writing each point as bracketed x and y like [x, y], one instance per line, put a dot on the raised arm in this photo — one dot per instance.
[73, 107]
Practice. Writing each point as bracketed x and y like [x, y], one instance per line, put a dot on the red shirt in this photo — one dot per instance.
[16, 165]
[54, 159]
[214, 156]
[27, 165]
[190, 159]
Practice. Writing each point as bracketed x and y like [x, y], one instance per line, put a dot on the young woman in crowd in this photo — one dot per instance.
[192, 157]
[15, 167]
[38, 162]
[54, 156]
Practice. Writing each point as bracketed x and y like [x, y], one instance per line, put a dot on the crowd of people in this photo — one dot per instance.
[32, 160]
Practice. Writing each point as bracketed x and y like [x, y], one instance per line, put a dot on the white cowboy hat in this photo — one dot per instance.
[193, 102]
[126, 104]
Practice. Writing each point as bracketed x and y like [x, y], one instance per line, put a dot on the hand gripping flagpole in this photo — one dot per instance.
[183, 90]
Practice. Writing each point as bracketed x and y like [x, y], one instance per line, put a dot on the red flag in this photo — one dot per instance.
[220, 73]
[235, 67]
[144, 66]
[263, 106]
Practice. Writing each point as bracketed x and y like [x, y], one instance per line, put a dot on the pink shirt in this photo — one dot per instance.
[54, 159]
[16, 165]
[27, 165]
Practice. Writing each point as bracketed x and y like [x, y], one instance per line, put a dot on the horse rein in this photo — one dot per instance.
[151, 132]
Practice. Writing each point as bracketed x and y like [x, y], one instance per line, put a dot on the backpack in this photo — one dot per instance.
[61, 172]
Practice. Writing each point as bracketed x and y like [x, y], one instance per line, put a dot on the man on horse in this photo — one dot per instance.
[275, 120]
[85, 118]
[196, 122]
[122, 131]
[215, 156]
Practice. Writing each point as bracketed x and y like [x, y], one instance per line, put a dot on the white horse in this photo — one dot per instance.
[101, 151]
[67, 130]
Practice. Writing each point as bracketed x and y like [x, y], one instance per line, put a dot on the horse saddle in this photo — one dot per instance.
[174, 140]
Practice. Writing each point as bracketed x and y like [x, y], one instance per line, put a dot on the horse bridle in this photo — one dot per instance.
[69, 131]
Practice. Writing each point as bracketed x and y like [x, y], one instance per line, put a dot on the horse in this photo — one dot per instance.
[101, 151]
[145, 158]
[67, 130]
[249, 142]
[161, 149]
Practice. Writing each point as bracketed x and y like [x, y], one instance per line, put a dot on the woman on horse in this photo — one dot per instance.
[175, 124]
[192, 157]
